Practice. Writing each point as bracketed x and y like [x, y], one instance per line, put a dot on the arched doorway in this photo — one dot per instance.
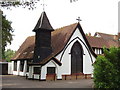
[76, 58]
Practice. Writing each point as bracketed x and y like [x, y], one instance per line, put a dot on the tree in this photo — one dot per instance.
[102, 69]
[7, 35]
[107, 69]
[0, 35]
[16, 3]
[9, 54]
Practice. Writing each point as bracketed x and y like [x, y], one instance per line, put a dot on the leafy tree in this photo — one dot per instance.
[107, 69]
[16, 3]
[102, 72]
[6, 34]
[9, 54]
[114, 58]
[86, 34]
[0, 35]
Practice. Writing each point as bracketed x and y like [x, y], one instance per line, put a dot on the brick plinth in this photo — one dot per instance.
[87, 76]
[80, 76]
[50, 77]
[66, 77]
[74, 76]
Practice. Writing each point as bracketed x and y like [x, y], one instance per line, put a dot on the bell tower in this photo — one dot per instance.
[42, 31]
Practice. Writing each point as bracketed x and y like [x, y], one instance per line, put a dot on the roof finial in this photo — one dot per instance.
[78, 19]
[43, 5]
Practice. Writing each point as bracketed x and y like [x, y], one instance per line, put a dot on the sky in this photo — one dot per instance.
[96, 16]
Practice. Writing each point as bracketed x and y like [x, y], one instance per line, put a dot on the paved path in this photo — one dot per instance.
[12, 81]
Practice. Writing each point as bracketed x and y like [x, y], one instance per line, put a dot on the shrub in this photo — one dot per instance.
[107, 69]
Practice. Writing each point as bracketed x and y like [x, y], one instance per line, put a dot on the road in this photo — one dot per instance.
[12, 81]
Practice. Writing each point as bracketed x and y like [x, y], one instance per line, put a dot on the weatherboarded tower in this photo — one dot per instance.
[43, 31]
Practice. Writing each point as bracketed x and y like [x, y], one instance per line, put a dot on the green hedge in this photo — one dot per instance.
[107, 69]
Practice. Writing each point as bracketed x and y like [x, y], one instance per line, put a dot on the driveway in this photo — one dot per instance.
[12, 81]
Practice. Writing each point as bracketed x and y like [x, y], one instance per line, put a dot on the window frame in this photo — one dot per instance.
[51, 72]
[21, 65]
[28, 62]
[15, 65]
[38, 71]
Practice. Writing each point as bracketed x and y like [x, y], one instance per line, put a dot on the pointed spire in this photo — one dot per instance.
[43, 23]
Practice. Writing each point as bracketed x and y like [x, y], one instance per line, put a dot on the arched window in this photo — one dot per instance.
[76, 58]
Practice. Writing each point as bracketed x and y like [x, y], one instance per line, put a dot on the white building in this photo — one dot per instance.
[64, 53]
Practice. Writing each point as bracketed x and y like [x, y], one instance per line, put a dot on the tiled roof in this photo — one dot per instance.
[43, 23]
[59, 38]
[105, 36]
[26, 48]
[111, 40]
[97, 42]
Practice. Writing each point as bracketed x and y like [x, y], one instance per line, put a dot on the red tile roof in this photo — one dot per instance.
[111, 40]
[105, 36]
[58, 40]
[97, 42]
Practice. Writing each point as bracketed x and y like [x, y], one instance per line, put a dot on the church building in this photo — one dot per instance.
[63, 53]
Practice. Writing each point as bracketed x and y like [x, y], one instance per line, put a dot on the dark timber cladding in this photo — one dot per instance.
[43, 31]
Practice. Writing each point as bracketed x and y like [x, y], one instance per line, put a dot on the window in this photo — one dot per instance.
[77, 58]
[15, 65]
[102, 51]
[50, 70]
[37, 70]
[21, 65]
[28, 62]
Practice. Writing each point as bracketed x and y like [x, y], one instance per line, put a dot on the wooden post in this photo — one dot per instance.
[39, 77]
[33, 77]
[26, 76]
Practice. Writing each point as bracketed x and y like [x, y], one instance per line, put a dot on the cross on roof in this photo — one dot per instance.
[78, 19]
[43, 5]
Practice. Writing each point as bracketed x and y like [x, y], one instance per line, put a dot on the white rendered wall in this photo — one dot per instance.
[30, 72]
[10, 71]
[100, 51]
[44, 69]
[25, 68]
[10, 67]
[18, 69]
[59, 55]
[36, 76]
[18, 72]
[95, 51]
[66, 59]
[65, 68]
[23, 73]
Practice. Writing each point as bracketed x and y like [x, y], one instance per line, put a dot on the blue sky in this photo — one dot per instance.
[96, 15]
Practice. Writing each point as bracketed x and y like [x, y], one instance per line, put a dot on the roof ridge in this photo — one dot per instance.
[66, 26]
[93, 36]
[105, 33]
[31, 36]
